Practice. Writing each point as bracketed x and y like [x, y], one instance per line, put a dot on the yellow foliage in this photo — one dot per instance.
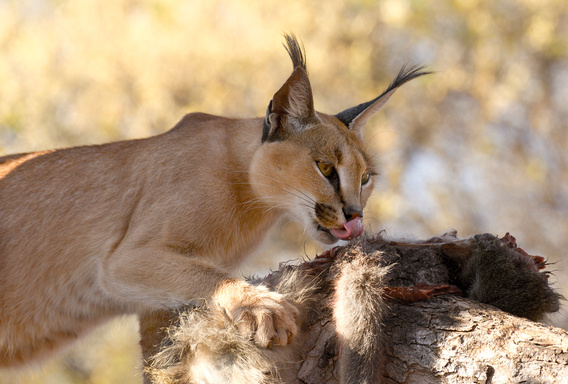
[494, 113]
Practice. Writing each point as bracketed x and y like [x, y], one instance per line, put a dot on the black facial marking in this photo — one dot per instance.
[333, 179]
[325, 213]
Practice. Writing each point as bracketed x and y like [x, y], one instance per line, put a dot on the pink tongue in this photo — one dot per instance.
[351, 229]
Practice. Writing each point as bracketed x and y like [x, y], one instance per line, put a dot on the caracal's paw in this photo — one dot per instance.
[259, 314]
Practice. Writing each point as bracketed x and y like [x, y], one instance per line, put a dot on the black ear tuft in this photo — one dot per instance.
[356, 117]
[296, 51]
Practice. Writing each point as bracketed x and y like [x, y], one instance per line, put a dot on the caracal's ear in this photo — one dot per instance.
[355, 118]
[292, 107]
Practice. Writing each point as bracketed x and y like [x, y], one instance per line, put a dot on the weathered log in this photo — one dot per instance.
[428, 333]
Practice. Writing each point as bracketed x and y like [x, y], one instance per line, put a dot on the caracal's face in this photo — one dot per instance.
[321, 176]
[314, 165]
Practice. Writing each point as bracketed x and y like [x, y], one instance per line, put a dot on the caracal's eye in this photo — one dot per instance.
[326, 169]
[365, 178]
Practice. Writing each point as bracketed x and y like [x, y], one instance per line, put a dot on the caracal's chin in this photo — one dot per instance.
[315, 230]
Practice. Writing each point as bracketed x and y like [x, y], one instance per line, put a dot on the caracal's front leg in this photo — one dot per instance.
[156, 279]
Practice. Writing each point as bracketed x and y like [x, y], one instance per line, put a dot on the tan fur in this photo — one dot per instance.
[89, 233]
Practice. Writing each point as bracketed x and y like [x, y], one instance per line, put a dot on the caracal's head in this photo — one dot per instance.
[313, 165]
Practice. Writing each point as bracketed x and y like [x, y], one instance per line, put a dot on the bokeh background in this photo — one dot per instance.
[479, 146]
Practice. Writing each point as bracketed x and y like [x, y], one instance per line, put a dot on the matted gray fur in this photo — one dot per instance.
[358, 313]
[206, 347]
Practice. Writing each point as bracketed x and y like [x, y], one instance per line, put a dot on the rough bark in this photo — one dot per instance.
[430, 333]
[449, 340]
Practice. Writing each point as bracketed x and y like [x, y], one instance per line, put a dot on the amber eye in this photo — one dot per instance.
[326, 169]
[365, 178]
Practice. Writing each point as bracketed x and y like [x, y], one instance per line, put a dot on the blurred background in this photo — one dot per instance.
[479, 146]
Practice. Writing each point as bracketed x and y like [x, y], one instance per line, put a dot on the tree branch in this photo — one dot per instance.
[425, 336]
